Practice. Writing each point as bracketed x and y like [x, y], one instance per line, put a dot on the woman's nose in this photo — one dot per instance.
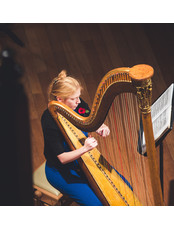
[78, 101]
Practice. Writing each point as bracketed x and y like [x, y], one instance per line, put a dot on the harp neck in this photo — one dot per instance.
[117, 81]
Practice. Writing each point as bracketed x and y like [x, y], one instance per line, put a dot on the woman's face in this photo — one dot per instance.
[73, 100]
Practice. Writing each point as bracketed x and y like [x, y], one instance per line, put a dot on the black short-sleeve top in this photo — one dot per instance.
[54, 141]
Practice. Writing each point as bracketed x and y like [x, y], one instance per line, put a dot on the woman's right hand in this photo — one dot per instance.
[66, 157]
[90, 143]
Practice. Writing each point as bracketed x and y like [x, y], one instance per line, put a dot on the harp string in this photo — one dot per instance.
[129, 113]
[106, 152]
[143, 169]
[138, 171]
[117, 138]
[118, 141]
[128, 139]
[137, 162]
[133, 129]
[124, 139]
[111, 155]
[140, 158]
[129, 165]
[146, 186]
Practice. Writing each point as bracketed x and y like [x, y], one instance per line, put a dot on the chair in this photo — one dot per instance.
[46, 194]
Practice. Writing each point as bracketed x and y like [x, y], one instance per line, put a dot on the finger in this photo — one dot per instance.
[103, 133]
[93, 145]
[106, 132]
[92, 139]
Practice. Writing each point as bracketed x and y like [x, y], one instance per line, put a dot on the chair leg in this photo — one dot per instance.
[66, 201]
[37, 198]
[40, 200]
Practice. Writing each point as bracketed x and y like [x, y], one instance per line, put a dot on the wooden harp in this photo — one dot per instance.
[110, 188]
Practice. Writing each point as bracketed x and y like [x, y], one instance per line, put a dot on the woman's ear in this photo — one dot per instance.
[59, 99]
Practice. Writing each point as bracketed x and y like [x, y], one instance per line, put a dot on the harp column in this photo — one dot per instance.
[141, 78]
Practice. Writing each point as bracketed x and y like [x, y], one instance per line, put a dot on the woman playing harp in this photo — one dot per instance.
[107, 183]
[62, 169]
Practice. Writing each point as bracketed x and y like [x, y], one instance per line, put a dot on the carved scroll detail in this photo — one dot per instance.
[144, 95]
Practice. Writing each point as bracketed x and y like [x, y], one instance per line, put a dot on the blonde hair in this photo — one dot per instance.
[62, 86]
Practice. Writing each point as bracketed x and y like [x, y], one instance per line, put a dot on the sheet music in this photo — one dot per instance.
[164, 101]
[161, 114]
[161, 123]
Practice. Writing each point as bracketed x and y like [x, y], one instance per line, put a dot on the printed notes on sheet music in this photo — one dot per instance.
[161, 112]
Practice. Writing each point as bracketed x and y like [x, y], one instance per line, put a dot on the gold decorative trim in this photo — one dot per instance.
[144, 95]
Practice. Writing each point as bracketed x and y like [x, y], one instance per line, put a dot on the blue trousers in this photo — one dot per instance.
[72, 182]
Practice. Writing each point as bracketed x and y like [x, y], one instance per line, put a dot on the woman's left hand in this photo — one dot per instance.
[103, 130]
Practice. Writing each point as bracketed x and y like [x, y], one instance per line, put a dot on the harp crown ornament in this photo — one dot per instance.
[141, 76]
[144, 95]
